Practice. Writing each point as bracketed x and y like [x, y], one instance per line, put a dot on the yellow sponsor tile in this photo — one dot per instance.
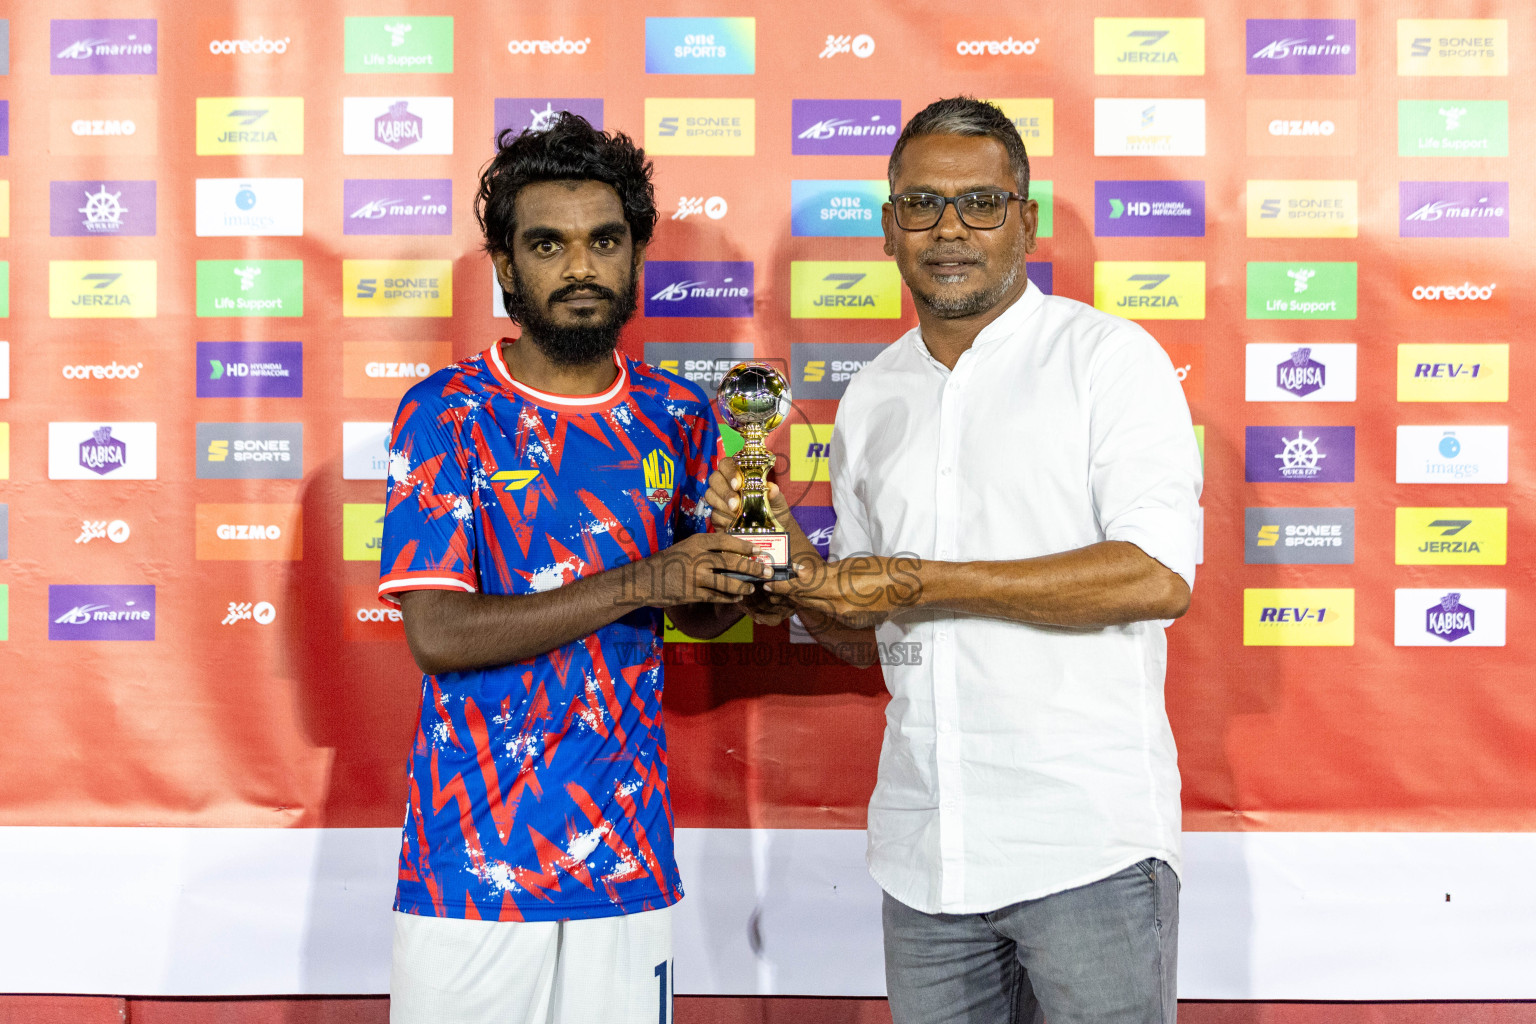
[844, 290]
[1149, 46]
[1441, 47]
[1452, 536]
[101, 288]
[250, 124]
[1303, 209]
[700, 127]
[1036, 121]
[1452, 373]
[362, 532]
[1299, 617]
[809, 446]
[1150, 290]
[396, 288]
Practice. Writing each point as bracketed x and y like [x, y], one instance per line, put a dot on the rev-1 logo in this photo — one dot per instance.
[1450, 370]
[1316, 615]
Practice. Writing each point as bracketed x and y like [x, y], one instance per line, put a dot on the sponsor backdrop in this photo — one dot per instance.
[231, 242]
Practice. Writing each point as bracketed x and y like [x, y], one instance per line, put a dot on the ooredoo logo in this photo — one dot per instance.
[1466, 291]
[261, 44]
[111, 371]
[1470, 289]
[558, 45]
[997, 47]
[365, 619]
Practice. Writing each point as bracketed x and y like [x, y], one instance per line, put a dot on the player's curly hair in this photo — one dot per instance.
[570, 149]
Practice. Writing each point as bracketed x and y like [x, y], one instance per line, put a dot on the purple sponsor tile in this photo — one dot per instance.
[698, 288]
[103, 46]
[1301, 46]
[845, 127]
[1453, 209]
[397, 206]
[5, 127]
[1323, 455]
[1041, 274]
[94, 612]
[817, 522]
[522, 113]
[1149, 209]
[250, 369]
[101, 208]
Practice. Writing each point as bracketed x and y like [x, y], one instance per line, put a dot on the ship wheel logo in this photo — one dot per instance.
[1300, 456]
[102, 210]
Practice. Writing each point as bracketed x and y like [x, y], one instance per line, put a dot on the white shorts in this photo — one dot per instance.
[612, 970]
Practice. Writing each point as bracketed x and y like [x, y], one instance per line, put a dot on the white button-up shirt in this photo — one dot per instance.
[1019, 760]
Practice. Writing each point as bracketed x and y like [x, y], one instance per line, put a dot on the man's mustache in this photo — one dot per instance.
[595, 291]
[951, 254]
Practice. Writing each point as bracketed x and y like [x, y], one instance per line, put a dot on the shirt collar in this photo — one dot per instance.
[587, 403]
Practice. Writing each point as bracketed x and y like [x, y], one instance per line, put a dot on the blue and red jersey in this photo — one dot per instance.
[538, 790]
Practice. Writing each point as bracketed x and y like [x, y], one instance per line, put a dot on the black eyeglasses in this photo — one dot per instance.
[982, 211]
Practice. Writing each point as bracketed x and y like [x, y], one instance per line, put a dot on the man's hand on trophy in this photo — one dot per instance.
[692, 570]
[859, 592]
[724, 496]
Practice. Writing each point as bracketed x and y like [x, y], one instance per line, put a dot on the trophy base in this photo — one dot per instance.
[776, 546]
[778, 574]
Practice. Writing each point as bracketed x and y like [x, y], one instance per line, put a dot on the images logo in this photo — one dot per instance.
[101, 288]
[1302, 291]
[1298, 618]
[821, 370]
[1453, 209]
[1452, 373]
[1452, 127]
[250, 124]
[823, 289]
[844, 127]
[809, 446]
[1452, 536]
[1148, 127]
[1149, 46]
[101, 208]
[1313, 373]
[365, 451]
[1301, 46]
[1461, 618]
[698, 288]
[1149, 209]
[703, 362]
[861, 46]
[250, 533]
[362, 532]
[401, 206]
[1453, 455]
[250, 287]
[700, 46]
[250, 451]
[1452, 46]
[1299, 536]
[250, 207]
[250, 369]
[103, 46]
[94, 450]
[1150, 290]
[89, 612]
[385, 369]
[396, 288]
[113, 126]
[397, 126]
[538, 113]
[1324, 455]
[399, 44]
[689, 127]
[1303, 209]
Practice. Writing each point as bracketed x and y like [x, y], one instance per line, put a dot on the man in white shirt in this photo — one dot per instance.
[1020, 477]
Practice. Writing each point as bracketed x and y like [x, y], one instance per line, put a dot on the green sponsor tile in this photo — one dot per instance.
[1044, 193]
[1453, 128]
[5, 612]
[250, 287]
[399, 45]
[5, 288]
[1301, 290]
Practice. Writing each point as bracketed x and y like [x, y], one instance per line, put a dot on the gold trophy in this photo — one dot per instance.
[754, 398]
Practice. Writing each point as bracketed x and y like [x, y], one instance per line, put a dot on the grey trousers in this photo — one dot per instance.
[1104, 953]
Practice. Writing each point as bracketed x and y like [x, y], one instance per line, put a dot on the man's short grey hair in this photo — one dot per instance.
[964, 115]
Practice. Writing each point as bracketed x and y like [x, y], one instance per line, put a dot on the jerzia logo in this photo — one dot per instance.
[1149, 46]
[1452, 536]
[844, 290]
[698, 288]
[1150, 290]
[101, 288]
[250, 124]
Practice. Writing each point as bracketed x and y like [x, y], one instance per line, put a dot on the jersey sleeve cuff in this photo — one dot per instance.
[432, 579]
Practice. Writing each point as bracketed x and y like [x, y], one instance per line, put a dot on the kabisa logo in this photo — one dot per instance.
[1459, 618]
[1299, 455]
[1150, 290]
[365, 451]
[385, 369]
[1301, 375]
[1449, 619]
[1452, 536]
[250, 369]
[397, 126]
[117, 531]
[660, 477]
[101, 288]
[109, 371]
[698, 288]
[1457, 372]
[1302, 291]
[706, 127]
[250, 288]
[1452, 46]
[101, 208]
[1149, 46]
[1298, 618]
[399, 206]
[559, 45]
[837, 209]
[845, 127]
[397, 288]
[1299, 536]
[1453, 209]
[362, 532]
[537, 113]
[822, 370]
[702, 362]
[250, 533]
[272, 125]
[700, 46]
[844, 289]
[861, 46]
[713, 207]
[1303, 209]
[1452, 127]
[93, 612]
[398, 44]
[1148, 127]
[1301, 46]
[260, 612]
[260, 45]
[810, 444]
[1452, 455]
[103, 46]
[250, 451]
[101, 451]
[1149, 209]
[250, 207]
[1313, 373]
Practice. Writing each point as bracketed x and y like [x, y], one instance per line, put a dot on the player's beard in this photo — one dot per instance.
[572, 344]
[955, 307]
